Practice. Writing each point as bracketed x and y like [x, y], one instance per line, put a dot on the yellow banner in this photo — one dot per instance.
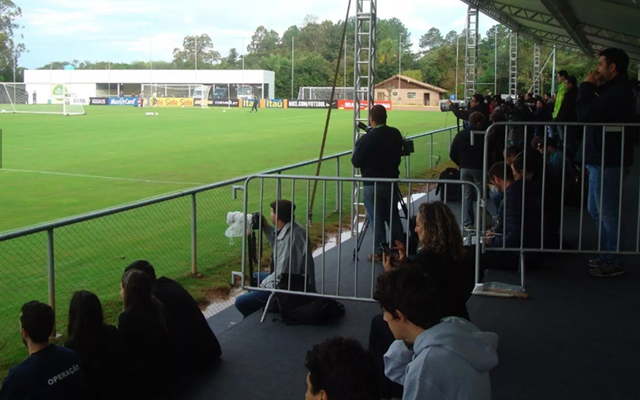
[171, 102]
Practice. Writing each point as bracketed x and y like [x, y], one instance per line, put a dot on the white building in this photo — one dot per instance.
[104, 83]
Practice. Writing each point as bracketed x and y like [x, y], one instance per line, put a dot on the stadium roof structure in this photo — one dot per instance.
[589, 25]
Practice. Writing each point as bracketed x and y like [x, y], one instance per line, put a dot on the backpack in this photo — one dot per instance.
[453, 191]
[299, 309]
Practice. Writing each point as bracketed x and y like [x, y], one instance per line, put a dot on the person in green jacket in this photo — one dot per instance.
[562, 90]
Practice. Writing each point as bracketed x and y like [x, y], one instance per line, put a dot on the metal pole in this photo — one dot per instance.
[293, 44]
[399, 62]
[51, 274]
[457, 62]
[195, 55]
[495, 69]
[194, 237]
[345, 68]
[553, 73]
[337, 183]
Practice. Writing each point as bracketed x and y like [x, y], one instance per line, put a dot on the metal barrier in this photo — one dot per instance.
[342, 279]
[555, 186]
[180, 233]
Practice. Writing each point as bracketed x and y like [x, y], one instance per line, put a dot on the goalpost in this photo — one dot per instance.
[40, 98]
[196, 92]
[324, 93]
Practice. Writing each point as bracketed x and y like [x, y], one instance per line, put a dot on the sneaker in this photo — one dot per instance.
[595, 263]
[376, 257]
[607, 269]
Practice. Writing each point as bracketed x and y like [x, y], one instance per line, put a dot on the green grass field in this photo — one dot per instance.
[55, 167]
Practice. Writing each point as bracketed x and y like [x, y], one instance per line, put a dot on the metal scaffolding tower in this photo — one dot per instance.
[364, 84]
[513, 65]
[536, 69]
[471, 54]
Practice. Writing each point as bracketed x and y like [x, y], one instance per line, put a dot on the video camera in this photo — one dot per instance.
[407, 144]
[255, 220]
[445, 107]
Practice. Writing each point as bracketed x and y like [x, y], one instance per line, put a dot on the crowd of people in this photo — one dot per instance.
[161, 334]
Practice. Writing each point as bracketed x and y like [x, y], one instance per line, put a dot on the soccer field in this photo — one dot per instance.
[56, 167]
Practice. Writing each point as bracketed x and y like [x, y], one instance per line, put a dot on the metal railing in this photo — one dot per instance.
[552, 188]
[335, 277]
[181, 234]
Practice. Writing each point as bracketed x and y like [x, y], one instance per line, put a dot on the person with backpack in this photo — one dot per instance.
[291, 261]
[470, 158]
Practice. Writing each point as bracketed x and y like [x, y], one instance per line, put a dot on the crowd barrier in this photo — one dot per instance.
[565, 198]
[340, 279]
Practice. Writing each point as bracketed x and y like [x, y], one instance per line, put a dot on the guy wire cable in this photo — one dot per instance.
[326, 125]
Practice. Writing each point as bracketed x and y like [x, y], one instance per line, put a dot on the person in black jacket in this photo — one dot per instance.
[470, 159]
[378, 154]
[98, 345]
[195, 345]
[513, 207]
[147, 344]
[611, 102]
[476, 104]
[443, 257]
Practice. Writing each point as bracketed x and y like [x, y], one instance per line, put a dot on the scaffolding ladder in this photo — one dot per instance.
[363, 85]
[536, 69]
[471, 54]
[513, 65]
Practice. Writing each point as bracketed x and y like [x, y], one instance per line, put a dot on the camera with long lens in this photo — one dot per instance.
[364, 127]
[255, 220]
[445, 106]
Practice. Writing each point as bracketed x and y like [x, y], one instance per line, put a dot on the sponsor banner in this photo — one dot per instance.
[123, 101]
[309, 104]
[172, 102]
[273, 103]
[348, 104]
[249, 103]
[225, 103]
[98, 101]
[78, 101]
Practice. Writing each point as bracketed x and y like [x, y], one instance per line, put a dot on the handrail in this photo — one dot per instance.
[128, 207]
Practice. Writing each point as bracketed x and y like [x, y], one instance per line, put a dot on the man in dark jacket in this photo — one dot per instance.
[476, 104]
[612, 102]
[469, 158]
[513, 209]
[195, 345]
[378, 154]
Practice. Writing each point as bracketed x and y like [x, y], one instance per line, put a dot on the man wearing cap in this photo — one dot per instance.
[291, 256]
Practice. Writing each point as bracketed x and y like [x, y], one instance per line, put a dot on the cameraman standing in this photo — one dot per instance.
[378, 154]
[476, 104]
[291, 256]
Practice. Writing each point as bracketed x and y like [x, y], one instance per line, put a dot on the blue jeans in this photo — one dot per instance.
[251, 302]
[608, 210]
[384, 206]
[474, 176]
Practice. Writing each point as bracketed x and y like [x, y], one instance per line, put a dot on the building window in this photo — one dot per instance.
[411, 95]
[395, 93]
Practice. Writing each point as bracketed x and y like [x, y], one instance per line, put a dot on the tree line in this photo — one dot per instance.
[317, 54]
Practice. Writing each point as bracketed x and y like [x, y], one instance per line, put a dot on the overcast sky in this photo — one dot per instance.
[129, 30]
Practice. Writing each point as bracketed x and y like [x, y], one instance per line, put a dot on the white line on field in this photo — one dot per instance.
[113, 178]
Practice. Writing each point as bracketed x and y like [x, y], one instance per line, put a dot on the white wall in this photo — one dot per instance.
[253, 77]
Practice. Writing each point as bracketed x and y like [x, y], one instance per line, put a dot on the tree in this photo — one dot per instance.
[196, 46]
[10, 51]
[433, 38]
[263, 42]
[414, 74]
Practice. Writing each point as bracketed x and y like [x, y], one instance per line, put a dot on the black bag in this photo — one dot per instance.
[298, 309]
[453, 191]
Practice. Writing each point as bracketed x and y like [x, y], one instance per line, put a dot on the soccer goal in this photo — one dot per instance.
[324, 93]
[41, 98]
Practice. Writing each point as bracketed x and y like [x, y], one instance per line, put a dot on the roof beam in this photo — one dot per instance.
[635, 4]
[525, 13]
[563, 13]
[607, 34]
[492, 11]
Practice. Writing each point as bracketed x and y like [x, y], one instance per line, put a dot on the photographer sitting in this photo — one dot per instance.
[291, 255]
